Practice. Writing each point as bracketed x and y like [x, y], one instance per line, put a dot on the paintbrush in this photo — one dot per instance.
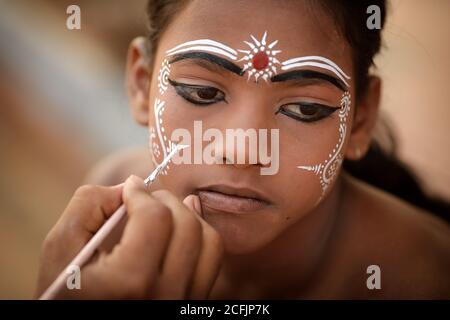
[110, 226]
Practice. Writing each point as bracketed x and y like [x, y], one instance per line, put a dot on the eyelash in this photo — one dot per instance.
[320, 111]
[186, 90]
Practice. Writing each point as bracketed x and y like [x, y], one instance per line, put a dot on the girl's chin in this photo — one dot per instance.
[241, 233]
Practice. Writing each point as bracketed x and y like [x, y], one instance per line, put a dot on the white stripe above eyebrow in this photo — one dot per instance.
[316, 58]
[205, 42]
[204, 48]
[318, 65]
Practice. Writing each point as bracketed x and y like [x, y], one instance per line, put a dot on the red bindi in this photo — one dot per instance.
[260, 60]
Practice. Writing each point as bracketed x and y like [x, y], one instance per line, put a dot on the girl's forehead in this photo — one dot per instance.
[298, 28]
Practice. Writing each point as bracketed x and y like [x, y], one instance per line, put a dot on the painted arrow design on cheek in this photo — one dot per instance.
[328, 169]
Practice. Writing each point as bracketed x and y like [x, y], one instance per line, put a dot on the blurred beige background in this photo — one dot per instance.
[63, 107]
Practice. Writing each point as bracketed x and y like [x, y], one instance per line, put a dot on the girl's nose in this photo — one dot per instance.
[243, 128]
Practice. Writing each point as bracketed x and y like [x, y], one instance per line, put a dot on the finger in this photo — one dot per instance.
[147, 233]
[104, 278]
[209, 262]
[184, 249]
[193, 203]
[131, 269]
[85, 214]
[88, 210]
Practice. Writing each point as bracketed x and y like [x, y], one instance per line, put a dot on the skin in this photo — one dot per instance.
[250, 105]
[294, 248]
[183, 247]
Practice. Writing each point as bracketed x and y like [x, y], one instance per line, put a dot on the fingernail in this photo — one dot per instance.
[193, 202]
[198, 205]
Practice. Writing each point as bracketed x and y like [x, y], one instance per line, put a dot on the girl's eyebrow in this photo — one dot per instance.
[211, 61]
[309, 75]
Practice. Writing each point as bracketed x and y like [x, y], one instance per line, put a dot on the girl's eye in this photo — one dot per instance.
[198, 95]
[306, 111]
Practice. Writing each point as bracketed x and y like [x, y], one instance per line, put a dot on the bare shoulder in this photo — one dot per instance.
[116, 167]
[411, 246]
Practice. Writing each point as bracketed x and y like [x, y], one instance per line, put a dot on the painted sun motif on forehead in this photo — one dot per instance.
[261, 58]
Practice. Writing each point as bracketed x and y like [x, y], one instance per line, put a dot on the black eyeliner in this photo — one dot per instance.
[180, 90]
[330, 111]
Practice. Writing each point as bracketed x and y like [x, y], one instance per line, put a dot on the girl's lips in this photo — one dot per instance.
[222, 198]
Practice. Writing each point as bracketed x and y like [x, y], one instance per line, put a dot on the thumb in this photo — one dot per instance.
[193, 202]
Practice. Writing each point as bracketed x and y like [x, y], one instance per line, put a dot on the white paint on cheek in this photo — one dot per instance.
[328, 169]
[165, 145]
[164, 142]
[156, 152]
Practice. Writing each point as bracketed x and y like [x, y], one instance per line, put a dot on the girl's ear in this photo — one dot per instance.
[366, 115]
[138, 79]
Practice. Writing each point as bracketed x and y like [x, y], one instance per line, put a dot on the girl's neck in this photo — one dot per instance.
[286, 265]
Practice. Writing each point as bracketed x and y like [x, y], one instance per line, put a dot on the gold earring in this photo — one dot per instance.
[358, 152]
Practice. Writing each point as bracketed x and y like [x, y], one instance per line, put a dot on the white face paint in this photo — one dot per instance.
[206, 46]
[165, 145]
[318, 62]
[262, 58]
[259, 62]
[163, 77]
[328, 169]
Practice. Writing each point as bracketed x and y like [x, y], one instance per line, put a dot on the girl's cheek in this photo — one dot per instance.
[159, 136]
[321, 163]
[328, 159]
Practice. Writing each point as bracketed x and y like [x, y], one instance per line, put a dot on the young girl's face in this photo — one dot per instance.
[253, 65]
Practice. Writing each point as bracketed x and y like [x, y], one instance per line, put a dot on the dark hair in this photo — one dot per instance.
[379, 167]
[160, 13]
[350, 17]
[351, 20]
